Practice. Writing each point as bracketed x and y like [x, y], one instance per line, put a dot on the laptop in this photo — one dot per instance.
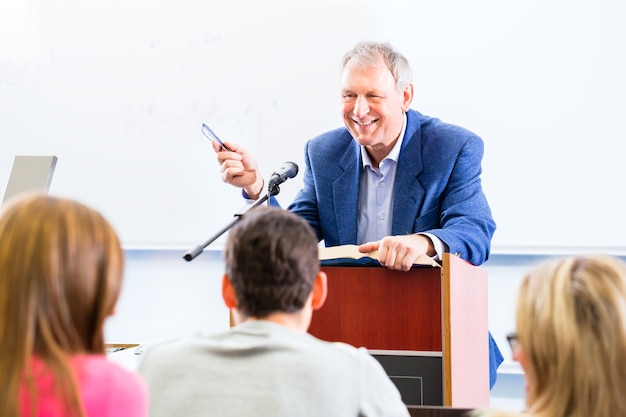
[30, 173]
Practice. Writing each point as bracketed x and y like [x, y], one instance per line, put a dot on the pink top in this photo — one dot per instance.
[106, 389]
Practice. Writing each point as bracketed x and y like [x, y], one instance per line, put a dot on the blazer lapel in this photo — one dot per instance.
[345, 190]
[408, 192]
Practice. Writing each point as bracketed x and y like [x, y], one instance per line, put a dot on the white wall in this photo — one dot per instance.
[165, 296]
[118, 90]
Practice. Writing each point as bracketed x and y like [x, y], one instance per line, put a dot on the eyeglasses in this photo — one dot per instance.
[513, 342]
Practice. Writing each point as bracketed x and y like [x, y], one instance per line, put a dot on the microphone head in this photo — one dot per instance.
[290, 169]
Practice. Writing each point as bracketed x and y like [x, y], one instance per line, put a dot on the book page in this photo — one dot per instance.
[352, 252]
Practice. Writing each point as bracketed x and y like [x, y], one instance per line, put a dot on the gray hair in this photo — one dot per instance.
[368, 53]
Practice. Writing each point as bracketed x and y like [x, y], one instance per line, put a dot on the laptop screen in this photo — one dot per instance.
[30, 173]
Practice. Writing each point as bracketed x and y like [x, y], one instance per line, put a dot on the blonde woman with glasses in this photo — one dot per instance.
[571, 338]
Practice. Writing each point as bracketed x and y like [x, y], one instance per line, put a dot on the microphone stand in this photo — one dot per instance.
[272, 190]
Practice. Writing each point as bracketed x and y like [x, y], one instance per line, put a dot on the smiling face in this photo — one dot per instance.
[372, 106]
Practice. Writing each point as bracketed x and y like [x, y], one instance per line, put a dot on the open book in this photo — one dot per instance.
[349, 255]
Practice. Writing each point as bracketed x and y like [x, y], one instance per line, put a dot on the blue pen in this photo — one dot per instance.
[206, 130]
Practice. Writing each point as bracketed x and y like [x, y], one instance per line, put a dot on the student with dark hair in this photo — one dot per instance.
[267, 364]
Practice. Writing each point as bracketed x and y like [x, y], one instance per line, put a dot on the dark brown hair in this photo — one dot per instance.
[272, 260]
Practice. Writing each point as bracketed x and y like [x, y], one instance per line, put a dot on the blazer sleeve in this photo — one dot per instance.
[467, 225]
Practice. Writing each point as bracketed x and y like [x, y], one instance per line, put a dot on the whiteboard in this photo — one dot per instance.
[118, 91]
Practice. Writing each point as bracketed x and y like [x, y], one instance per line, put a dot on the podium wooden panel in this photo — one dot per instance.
[440, 312]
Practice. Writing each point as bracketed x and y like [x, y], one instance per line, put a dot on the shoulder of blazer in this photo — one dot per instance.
[335, 148]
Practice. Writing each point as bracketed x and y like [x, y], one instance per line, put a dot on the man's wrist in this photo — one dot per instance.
[437, 245]
[253, 195]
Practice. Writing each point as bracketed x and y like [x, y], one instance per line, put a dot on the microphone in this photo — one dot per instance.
[288, 170]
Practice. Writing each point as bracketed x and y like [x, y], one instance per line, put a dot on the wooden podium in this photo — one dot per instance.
[427, 327]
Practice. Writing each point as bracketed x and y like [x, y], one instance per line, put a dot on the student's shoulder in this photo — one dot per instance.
[98, 376]
[101, 367]
[347, 351]
[358, 361]
[171, 347]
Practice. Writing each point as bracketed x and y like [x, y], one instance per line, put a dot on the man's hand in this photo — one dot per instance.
[239, 168]
[400, 252]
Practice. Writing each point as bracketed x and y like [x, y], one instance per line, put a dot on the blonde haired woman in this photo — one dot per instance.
[61, 268]
[571, 338]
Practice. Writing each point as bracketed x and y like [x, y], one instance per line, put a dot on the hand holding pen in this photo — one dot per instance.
[206, 131]
[237, 166]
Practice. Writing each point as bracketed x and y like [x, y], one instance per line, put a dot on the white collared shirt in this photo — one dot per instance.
[376, 197]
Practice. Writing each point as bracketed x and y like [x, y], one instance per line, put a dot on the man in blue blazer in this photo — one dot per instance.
[437, 188]
[392, 179]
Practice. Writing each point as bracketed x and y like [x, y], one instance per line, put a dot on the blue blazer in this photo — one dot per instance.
[437, 187]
